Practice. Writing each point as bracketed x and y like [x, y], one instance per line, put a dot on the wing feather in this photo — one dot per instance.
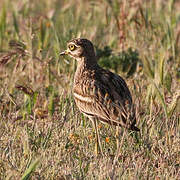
[108, 98]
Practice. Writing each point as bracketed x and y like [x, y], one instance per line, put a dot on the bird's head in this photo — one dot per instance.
[79, 49]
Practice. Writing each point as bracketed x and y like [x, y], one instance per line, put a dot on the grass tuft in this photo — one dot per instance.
[42, 133]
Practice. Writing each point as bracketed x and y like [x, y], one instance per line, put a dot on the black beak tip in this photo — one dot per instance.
[62, 53]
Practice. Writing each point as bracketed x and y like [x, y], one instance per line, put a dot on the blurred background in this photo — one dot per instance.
[42, 134]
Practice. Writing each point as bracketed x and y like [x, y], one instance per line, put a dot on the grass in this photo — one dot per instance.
[42, 133]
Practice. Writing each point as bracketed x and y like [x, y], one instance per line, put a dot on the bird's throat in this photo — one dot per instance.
[83, 66]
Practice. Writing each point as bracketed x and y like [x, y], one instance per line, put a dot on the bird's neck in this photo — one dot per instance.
[84, 65]
[86, 62]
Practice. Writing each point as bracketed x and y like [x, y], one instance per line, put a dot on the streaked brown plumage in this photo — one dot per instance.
[99, 93]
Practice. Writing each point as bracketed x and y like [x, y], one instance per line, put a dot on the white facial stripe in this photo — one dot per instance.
[72, 43]
[82, 98]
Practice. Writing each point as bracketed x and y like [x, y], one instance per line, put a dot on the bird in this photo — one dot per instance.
[99, 93]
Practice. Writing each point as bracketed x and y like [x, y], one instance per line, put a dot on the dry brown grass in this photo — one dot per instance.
[42, 134]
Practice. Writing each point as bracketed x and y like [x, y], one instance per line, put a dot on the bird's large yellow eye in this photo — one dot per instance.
[72, 47]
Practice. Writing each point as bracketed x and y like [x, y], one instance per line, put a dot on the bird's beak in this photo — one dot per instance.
[64, 53]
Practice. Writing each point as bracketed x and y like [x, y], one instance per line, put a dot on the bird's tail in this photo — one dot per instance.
[134, 128]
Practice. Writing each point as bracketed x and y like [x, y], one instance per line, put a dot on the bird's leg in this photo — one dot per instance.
[98, 145]
[117, 137]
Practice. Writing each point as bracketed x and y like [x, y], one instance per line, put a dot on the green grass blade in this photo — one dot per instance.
[147, 68]
[15, 22]
[30, 170]
[161, 98]
[174, 104]
[3, 19]
[161, 66]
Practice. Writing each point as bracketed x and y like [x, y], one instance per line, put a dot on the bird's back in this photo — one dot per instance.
[104, 95]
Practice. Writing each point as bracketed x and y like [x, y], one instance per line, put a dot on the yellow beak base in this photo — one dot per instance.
[64, 53]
